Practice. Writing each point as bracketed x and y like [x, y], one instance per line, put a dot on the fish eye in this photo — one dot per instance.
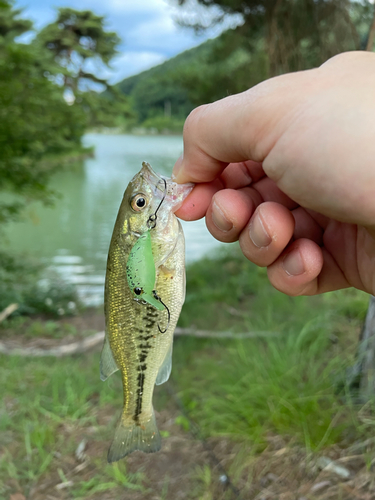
[138, 202]
[137, 290]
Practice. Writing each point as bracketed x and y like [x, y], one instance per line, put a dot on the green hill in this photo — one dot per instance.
[164, 95]
[161, 90]
[187, 57]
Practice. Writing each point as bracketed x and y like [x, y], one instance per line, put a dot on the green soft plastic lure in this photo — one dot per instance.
[141, 273]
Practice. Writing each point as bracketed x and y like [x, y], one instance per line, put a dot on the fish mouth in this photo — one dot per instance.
[175, 194]
[152, 177]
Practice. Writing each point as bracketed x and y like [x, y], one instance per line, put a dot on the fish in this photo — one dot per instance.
[144, 294]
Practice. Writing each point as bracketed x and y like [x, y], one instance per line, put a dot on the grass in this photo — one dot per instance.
[32, 329]
[249, 390]
[44, 401]
[288, 384]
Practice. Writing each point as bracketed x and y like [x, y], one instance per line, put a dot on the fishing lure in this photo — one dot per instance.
[140, 267]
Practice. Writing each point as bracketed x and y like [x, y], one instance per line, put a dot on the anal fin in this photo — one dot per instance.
[107, 362]
[166, 367]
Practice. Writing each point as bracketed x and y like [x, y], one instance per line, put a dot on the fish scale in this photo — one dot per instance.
[133, 343]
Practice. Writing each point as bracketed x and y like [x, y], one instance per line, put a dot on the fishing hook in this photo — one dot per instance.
[151, 222]
[169, 314]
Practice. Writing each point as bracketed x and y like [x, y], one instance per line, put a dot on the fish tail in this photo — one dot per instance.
[133, 436]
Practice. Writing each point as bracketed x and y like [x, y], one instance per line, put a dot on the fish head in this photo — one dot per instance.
[153, 199]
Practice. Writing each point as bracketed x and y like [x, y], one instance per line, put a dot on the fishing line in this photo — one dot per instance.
[196, 432]
[151, 222]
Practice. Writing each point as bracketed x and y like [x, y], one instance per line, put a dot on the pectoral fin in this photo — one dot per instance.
[107, 361]
[166, 367]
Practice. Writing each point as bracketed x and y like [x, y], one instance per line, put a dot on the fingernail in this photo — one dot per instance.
[293, 263]
[176, 169]
[258, 234]
[219, 219]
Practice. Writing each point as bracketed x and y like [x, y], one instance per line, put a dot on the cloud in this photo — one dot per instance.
[142, 6]
[147, 29]
[130, 63]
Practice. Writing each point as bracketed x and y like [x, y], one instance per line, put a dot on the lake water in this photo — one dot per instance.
[74, 235]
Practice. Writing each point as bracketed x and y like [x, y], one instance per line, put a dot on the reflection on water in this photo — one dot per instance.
[74, 235]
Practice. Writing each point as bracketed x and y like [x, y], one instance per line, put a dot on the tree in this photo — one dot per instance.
[35, 121]
[77, 40]
[233, 64]
[297, 34]
[11, 25]
[364, 369]
[371, 35]
[107, 109]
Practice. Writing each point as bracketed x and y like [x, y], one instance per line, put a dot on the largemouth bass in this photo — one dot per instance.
[144, 293]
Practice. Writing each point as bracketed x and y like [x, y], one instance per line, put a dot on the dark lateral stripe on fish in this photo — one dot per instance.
[149, 318]
[144, 346]
[138, 407]
[145, 339]
[152, 311]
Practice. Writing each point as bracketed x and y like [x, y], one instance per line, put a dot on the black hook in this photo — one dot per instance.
[169, 314]
[151, 222]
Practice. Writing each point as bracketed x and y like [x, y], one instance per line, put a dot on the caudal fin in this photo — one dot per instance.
[133, 437]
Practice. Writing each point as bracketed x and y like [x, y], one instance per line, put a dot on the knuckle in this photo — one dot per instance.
[193, 119]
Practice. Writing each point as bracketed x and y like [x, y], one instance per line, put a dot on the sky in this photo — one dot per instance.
[147, 29]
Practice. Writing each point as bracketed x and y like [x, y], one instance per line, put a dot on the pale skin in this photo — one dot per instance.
[288, 169]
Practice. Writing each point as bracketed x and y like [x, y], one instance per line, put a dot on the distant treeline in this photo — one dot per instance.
[165, 94]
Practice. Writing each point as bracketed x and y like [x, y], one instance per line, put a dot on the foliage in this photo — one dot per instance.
[58, 400]
[297, 34]
[52, 295]
[76, 39]
[25, 282]
[203, 74]
[284, 380]
[159, 87]
[164, 124]
[35, 121]
[76, 42]
[35, 328]
[109, 109]
[16, 279]
[11, 25]
[232, 66]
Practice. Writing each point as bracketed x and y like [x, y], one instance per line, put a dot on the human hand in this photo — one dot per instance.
[288, 168]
